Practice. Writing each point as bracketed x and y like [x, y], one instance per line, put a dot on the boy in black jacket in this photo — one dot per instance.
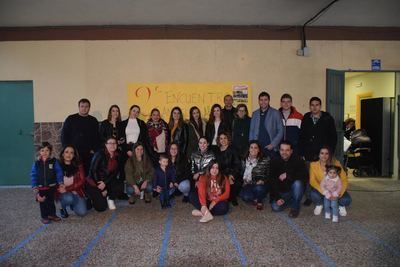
[46, 174]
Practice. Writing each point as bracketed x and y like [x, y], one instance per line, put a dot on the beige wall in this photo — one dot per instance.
[64, 71]
[378, 84]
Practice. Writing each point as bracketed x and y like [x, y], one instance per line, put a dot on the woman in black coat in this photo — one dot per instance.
[179, 130]
[230, 165]
[215, 126]
[240, 130]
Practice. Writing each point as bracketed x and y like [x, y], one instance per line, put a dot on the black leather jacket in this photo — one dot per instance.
[229, 162]
[210, 130]
[181, 137]
[99, 168]
[199, 162]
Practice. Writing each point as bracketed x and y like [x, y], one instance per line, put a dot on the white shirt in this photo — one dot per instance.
[132, 131]
[216, 126]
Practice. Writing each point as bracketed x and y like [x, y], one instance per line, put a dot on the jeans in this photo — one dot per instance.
[328, 204]
[292, 198]
[78, 203]
[184, 187]
[221, 208]
[131, 191]
[317, 198]
[165, 195]
[253, 192]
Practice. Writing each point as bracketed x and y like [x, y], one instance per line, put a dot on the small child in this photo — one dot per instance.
[163, 181]
[46, 174]
[331, 187]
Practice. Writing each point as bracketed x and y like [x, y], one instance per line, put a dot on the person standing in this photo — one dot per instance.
[240, 130]
[179, 129]
[197, 129]
[82, 131]
[266, 126]
[291, 119]
[229, 112]
[317, 130]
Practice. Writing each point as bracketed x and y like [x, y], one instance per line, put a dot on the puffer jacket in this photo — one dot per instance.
[200, 161]
[261, 172]
[46, 173]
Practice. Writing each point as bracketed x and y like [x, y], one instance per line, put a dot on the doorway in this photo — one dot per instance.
[16, 142]
[368, 97]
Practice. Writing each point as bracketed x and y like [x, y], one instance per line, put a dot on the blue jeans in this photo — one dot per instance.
[131, 191]
[78, 203]
[328, 204]
[184, 187]
[221, 208]
[165, 195]
[317, 198]
[292, 198]
[253, 192]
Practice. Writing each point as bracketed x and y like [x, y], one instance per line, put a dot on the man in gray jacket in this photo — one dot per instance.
[266, 126]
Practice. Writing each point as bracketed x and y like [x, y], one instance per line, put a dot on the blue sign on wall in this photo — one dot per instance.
[375, 64]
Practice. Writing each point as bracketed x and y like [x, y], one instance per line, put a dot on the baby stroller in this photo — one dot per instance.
[358, 157]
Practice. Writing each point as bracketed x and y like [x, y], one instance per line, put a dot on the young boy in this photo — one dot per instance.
[163, 181]
[46, 174]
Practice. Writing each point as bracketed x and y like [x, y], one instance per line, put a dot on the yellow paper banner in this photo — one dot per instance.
[165, 96]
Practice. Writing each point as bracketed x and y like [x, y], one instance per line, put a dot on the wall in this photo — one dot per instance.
[379, 84]
[64, 71]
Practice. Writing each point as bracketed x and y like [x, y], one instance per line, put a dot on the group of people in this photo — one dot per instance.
[212, 164]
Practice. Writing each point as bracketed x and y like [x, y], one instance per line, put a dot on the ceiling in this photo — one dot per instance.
[26, 13]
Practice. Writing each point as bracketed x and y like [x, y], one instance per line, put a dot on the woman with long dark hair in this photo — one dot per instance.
[212, 196]
[158, 132]
[179, 129]
[181, 166]
[215, 126]
[197, 129]
[240, 130]
[110, 126]
[72, 193]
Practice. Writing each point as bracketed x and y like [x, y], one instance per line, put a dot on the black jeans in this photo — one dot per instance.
[115, 188]
[47, 207]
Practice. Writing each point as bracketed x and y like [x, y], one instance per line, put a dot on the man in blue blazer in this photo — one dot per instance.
[266, 126]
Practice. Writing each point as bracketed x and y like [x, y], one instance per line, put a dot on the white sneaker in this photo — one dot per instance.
[335, 218]
[111, 204]
[142, 195]
[206, 217]
[327, 215]
[342, 211]
[318, 210]
[197, 213]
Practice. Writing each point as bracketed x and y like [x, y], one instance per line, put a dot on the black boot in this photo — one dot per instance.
[307, 202]
[64, 214]
[185, 199]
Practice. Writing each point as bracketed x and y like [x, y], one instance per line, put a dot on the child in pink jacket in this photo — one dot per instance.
[331, 187]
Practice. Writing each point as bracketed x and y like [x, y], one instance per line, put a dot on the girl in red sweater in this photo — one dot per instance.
[213, 193]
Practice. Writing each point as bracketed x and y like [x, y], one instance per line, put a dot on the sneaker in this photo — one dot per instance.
[318, 210]
[147, 197]
[54, 218]
[327, 215]
[335, 218]
[197, 213]
[293, 213]
[206, 217]
[63, 213]
[342, 211]
[111, 204]
[142, 195]
[307, 202]
[185, 199]
[132, 199]
[45, 221]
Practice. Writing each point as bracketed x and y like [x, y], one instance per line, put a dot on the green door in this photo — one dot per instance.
[16, 132]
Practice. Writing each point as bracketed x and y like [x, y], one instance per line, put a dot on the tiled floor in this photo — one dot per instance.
[145, 235]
